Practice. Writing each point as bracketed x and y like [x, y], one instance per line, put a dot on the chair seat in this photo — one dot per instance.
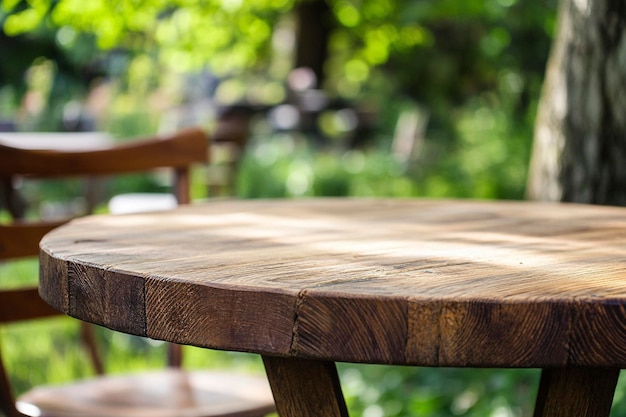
[165, 393]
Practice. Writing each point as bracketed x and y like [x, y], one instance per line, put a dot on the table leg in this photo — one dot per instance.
[305, 388]
[576, 392]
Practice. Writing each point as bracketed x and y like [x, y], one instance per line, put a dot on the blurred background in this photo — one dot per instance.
[395, 98]
[371, 97]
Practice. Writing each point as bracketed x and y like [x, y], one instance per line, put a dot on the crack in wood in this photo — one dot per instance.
[293, 348]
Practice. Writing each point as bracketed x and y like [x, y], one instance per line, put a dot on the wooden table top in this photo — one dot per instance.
[422, 282]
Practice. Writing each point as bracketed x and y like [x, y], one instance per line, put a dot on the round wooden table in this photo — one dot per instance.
[306, 283]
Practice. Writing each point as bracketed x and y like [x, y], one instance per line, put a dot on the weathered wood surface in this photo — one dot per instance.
[436, 283]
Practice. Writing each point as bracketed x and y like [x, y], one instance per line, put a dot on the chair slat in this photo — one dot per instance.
[180, 150]
[23, 304]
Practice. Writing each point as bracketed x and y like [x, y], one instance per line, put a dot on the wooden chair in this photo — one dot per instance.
[161, 393]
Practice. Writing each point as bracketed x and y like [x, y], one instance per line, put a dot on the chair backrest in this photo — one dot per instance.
[20, 238]
[177, 151]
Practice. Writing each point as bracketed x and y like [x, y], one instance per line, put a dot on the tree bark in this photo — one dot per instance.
[580, 133]
[315, 23]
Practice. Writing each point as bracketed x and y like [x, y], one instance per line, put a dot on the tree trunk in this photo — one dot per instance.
[315, 22]
[580, 133]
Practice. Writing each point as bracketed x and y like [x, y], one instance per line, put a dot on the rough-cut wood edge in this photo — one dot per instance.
[153, 307]
[53, 280]
[487, 334]
[319, 333]
[443, 333]
[107, 297]
[92, 295]
[220, 318]
[304, 324]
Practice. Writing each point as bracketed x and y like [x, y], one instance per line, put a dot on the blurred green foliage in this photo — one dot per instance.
[489, 159]
[475, 67]
[444, 392]
[437, 52]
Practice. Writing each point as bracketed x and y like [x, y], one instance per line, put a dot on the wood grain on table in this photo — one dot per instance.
[421, 282]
